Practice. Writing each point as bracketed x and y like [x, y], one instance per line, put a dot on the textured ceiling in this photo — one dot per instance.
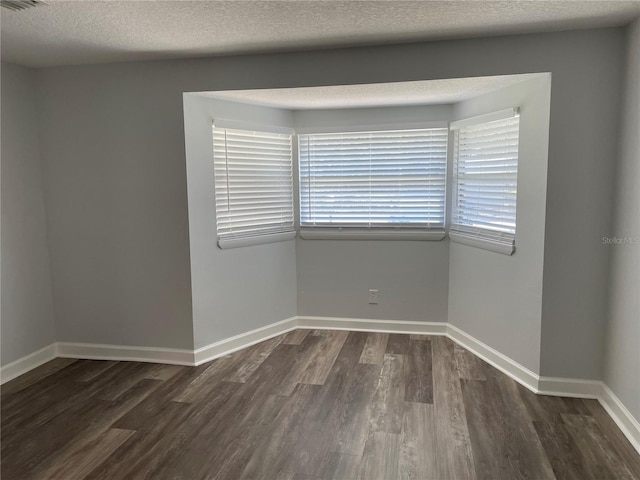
[428, 92]
[85, 31]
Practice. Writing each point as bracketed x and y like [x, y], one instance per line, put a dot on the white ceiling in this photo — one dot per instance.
[426, 92]
[86, 31]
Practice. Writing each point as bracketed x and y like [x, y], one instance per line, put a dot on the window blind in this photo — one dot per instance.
[373, 179]
[486, 171]
[253, 186]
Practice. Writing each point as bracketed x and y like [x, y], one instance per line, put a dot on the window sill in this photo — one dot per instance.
[226, 243]
[504, 247]
[354, 234]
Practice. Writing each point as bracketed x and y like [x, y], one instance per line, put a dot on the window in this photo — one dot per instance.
[376, 183]
[485, 181]
[253, 186]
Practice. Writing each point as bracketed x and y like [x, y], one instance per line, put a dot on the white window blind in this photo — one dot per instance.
[253, 186]
[376, 179]
[485, 179]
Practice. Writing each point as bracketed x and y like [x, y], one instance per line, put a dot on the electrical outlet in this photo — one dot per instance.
[373, 296]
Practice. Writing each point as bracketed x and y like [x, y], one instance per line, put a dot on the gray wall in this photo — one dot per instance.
[116, 193]
[498, 298]
[27, 301]
[239, 289]
[115, 177]
[334, 276]
[583, 146]
[622, 362]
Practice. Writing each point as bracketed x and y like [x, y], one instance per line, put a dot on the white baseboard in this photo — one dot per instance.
[565, 387]
[243, 340]
[621, 416]
[370, 325]
[569, 387]
[26, 363]
[95, 351]
[494, 358]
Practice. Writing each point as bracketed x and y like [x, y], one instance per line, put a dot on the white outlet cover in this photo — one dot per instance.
[373, 296]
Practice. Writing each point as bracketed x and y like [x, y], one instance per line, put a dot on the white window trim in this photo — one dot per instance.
[228, 243]
[372, 127]
[484, 118]
[257, 237]
[503, 243]
[499, 242]
[486, 239]
[415, 232]
[253, 126]
[341, 233]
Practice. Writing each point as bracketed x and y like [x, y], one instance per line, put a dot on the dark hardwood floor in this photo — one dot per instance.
[305, 405]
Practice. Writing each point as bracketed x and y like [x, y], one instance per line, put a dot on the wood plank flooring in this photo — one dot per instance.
[310, 404]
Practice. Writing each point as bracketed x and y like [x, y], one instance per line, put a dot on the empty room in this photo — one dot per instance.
[320, 239]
